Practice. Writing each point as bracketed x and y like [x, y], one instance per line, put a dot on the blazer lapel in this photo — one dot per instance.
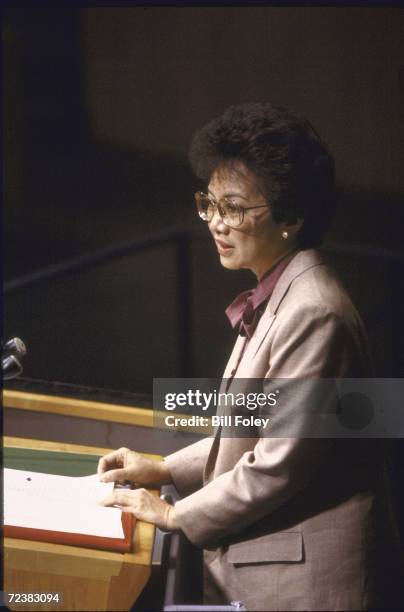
[256, 339]
[302, 262]
[299, 264]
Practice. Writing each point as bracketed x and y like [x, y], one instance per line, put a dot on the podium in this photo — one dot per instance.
[84, 578]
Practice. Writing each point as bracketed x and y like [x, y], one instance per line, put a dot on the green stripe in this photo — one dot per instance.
[50, 462]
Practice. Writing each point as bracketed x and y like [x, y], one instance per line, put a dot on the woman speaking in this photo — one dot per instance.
[287, 523]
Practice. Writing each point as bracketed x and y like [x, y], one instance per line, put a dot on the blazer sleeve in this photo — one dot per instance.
[186, 466]
[312, 342]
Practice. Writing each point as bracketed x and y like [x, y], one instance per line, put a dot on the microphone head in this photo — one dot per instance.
[15, 346]
[11, 367]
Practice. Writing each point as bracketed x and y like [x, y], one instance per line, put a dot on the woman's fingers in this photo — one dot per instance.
[123, 464]
[119, 475]
[112, 460]
[118, 498]
[144, 506]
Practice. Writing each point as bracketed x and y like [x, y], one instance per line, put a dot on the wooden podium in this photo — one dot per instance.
[87, 579]
[42, 417]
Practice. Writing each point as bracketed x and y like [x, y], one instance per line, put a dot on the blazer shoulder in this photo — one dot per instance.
[319, 290]
[317, 330]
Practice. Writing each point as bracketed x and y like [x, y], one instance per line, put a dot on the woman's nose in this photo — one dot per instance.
[216, 224]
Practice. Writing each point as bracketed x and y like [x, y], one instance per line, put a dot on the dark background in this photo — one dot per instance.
[99, 107]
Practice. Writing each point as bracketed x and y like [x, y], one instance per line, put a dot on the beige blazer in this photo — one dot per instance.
[293, 523]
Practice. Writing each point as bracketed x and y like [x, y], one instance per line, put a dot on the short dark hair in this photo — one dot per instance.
[294, 169]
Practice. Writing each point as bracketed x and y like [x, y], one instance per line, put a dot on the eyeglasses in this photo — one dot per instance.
[231, 212]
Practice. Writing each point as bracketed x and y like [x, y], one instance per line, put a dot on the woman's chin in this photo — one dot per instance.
[229, 263]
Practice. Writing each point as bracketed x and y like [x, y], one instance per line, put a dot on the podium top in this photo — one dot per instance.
[78, 459]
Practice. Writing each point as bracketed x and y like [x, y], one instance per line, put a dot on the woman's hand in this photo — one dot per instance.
[123, 465]
[144, 506]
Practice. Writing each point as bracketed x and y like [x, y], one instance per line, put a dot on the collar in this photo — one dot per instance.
[245, 311]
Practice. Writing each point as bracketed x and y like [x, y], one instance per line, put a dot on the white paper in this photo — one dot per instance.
[59, 503]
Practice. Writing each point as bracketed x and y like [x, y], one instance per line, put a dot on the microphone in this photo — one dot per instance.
[11, 367]
[12, 351]
[15, 346]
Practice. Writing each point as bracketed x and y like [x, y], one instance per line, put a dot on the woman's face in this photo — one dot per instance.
[257, 243]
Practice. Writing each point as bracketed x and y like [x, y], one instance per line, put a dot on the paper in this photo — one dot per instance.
[60, 503]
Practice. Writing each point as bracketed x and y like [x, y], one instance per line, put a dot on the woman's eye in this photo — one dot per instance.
[232, 207]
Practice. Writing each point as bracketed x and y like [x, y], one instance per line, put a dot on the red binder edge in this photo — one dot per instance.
[77, 539]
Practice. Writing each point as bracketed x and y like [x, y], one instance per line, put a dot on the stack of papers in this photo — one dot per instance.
[60, 503]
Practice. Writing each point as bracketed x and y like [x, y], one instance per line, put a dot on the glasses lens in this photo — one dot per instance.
[232, 214]
[205, 206]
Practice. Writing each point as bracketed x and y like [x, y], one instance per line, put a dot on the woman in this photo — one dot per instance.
[287, 522]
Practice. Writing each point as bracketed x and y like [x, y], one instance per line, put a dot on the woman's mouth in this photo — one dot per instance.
[223, 247]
